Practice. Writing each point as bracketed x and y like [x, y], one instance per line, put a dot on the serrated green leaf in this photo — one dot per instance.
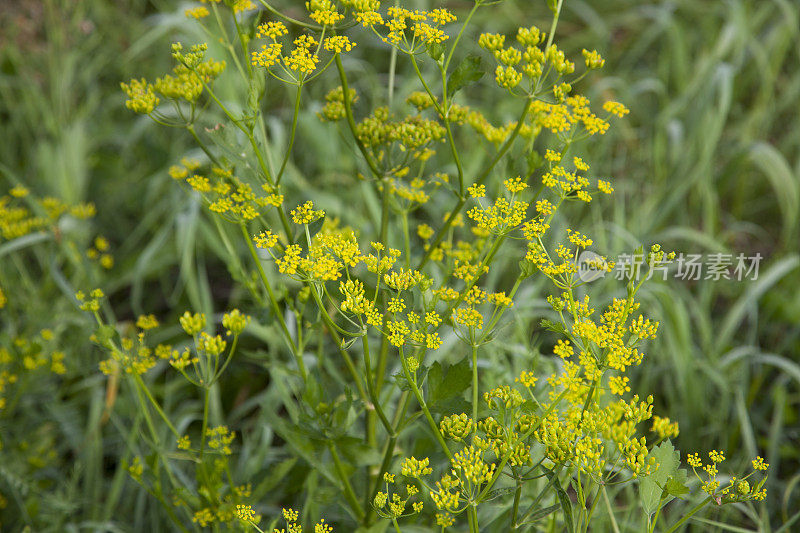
[436, 51]
[675, 486]
[468, 71]
[553, 326]
[448, 382]
[401, 381]
[651, 488]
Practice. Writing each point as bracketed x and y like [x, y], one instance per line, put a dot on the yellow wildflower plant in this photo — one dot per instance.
[374, 340]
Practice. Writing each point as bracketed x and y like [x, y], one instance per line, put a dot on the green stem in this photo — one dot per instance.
[481, 178]
[472, 518]
[372, 393]
[689, 515]
[460, 33]
[276, 310]
[610, 510]
[291, 135]
[475, 384]
[515, 508]
[300, 23]
[442, 110]
[418, 395]
[348, 489]
[553, 25]
[406, 239]
[202, 145]
[348, 109]
[348, 361]
[499, 314]
[392, 68]
[153, 401]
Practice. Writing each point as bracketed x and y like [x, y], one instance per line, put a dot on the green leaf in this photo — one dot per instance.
[448, 382]
[553, 326]
[436, 51]
[467, 72]
[401, 381]
[563, 499]
[356, 453]
[653, 489]
[104, 334]
[676, 487]
[553, 5]
[275, 474]
[541, 513]
[496, 493]
[526, 268]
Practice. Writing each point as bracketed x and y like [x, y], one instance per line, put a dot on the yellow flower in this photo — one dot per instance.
[616, 108]
[337, 43]
[197, 12]
[141, 96]
[146, 322]
[265, 239]
[305, 214]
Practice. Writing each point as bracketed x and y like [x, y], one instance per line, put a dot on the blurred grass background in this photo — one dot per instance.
[708, 161]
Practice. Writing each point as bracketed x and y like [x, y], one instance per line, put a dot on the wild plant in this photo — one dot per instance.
[376, 332]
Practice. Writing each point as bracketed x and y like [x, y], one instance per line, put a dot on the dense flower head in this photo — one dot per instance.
[141, 96]
[305, 213]
[323, 12]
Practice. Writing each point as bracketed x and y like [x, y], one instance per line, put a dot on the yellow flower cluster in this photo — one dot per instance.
[186, 82]
[331, 250]
[26, 355]
[303, 58]
[198, 12]
[501, 217]
[291, 516]
[133, 356]
[245, 513]
[323, 12]
[412, 133]
[100, 252]
[220, 439]
[18, 217]
[305, 213]
[460, 115]
[416, 468]
[515, 64]
[226, 194]
[334, 109]
[141, 96]
[395, 506]
[408, 30]
[736, 490]
[664, 428]
[457, 427]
